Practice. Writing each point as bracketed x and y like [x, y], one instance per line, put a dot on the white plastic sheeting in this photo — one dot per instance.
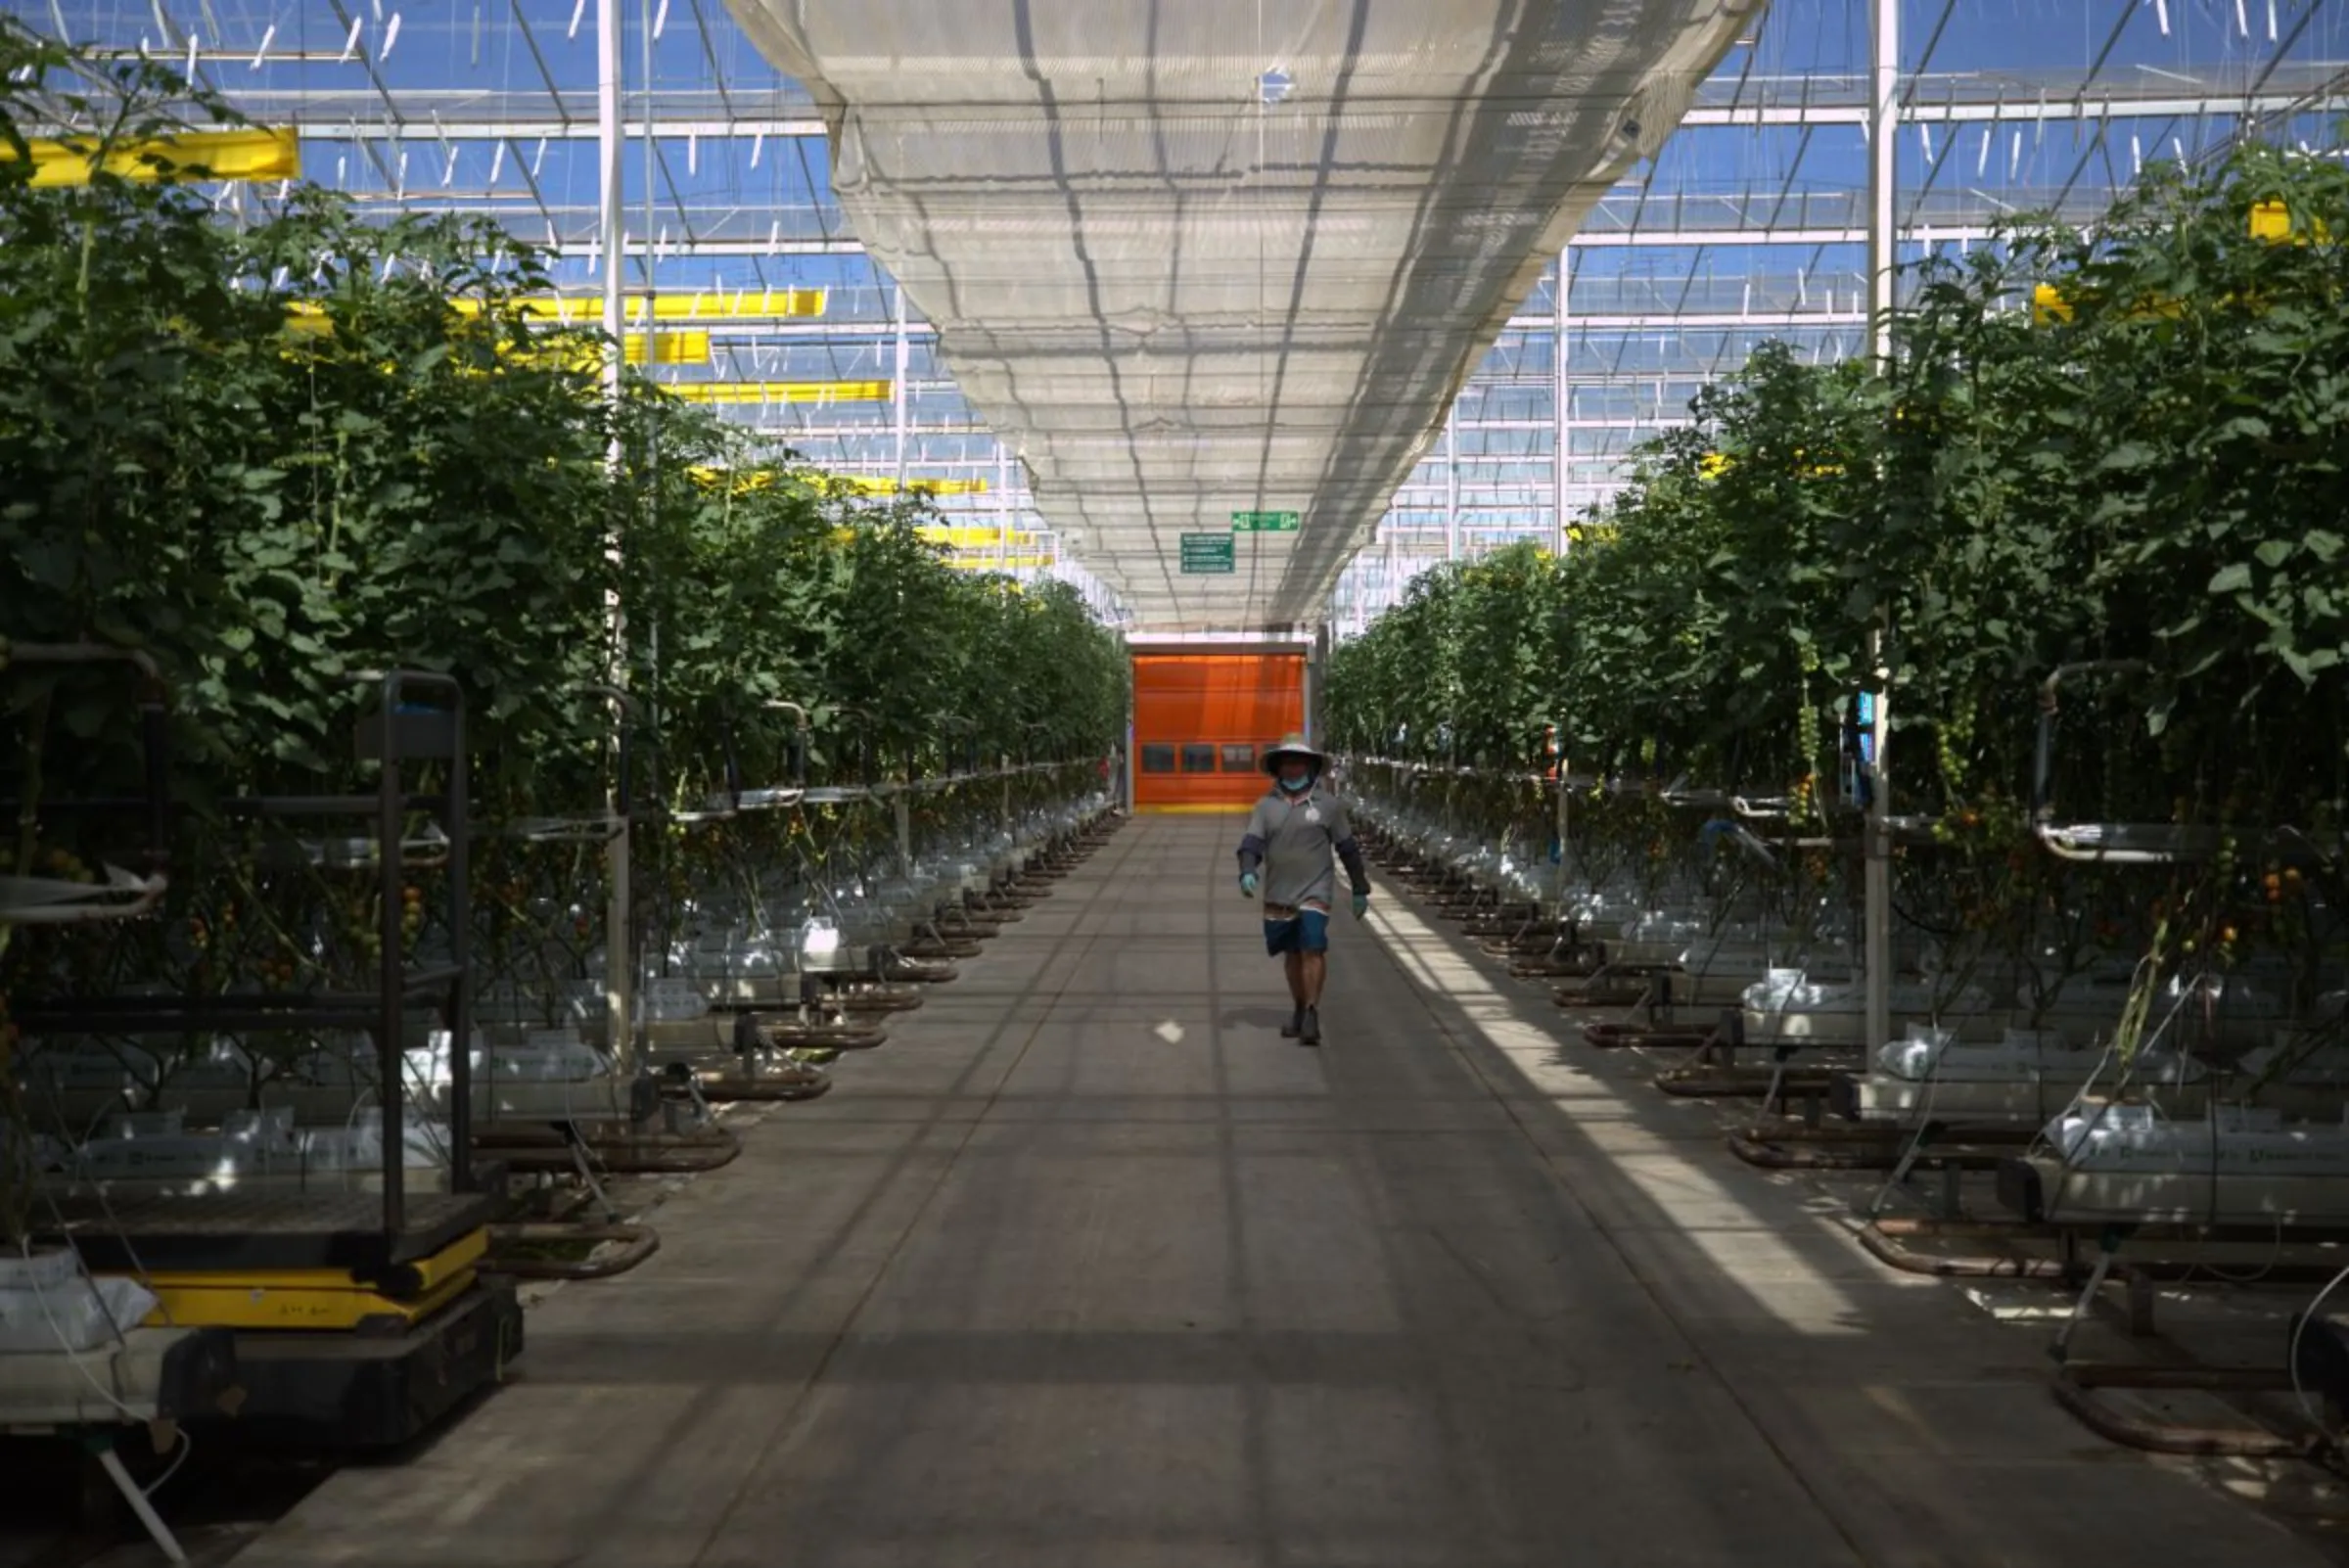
[1192, 257]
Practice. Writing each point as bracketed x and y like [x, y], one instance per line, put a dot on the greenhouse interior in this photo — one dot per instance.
[652, 651]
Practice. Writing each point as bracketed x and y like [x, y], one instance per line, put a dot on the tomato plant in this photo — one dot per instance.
[2145, 480]
[273, 455]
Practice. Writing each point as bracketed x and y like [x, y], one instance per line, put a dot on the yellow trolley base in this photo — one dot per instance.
[322, 1299]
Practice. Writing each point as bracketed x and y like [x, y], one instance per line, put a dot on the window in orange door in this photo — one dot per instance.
[1158, 758]
[1239, 759]
[1198, 758]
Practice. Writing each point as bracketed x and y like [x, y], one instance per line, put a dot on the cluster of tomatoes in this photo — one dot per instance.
[1802, 800]
[200, 929]
[63, 864]
[276, 974]
[2273, 906]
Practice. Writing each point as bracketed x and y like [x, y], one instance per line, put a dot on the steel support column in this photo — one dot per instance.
[1883, 239]
[1561, 467]
[896, 384]
[1452, 484]
[1002, 506]
[620, 971]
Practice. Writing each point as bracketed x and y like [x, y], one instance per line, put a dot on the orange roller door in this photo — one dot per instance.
[1201, 721]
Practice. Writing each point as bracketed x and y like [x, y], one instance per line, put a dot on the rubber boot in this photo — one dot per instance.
[1295, 1025]
[1308, 1029]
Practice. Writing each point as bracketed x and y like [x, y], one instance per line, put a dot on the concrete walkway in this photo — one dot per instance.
[1087, 1268]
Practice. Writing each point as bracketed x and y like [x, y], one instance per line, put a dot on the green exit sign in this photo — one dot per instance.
[1205, 554]
[1263, 522]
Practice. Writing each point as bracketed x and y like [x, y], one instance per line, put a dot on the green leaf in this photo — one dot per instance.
[2231, 579]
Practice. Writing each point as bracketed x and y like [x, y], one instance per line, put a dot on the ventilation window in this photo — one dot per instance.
[1198, 758]
[1239, 759]
[1158, 758]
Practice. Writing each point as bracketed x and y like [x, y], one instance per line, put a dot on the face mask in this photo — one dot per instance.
[1297, 786]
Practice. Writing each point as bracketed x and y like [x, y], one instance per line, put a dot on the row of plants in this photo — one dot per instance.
[2122, 447]
[273, 454]
[416, 476]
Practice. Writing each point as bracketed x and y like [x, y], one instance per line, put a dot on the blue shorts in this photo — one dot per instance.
[1306, 931]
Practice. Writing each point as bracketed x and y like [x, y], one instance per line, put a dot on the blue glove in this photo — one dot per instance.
[1247, 884]
[1361, 904]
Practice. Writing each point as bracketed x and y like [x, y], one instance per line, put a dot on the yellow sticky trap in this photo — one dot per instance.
[667, 349]
[738, 482]
[987, 563]
[1713, 465]
[963, 538]
[782, 392]
[745, 304]
[660, 349]
[2271, 222]
[239, 156]
[876, 485]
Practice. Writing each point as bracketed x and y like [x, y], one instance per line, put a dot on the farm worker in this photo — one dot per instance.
[1286, 851]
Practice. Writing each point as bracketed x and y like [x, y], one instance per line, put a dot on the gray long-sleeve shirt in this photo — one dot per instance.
[1293, 836]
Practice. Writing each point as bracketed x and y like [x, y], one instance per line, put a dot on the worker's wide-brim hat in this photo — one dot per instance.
[1292, 746]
